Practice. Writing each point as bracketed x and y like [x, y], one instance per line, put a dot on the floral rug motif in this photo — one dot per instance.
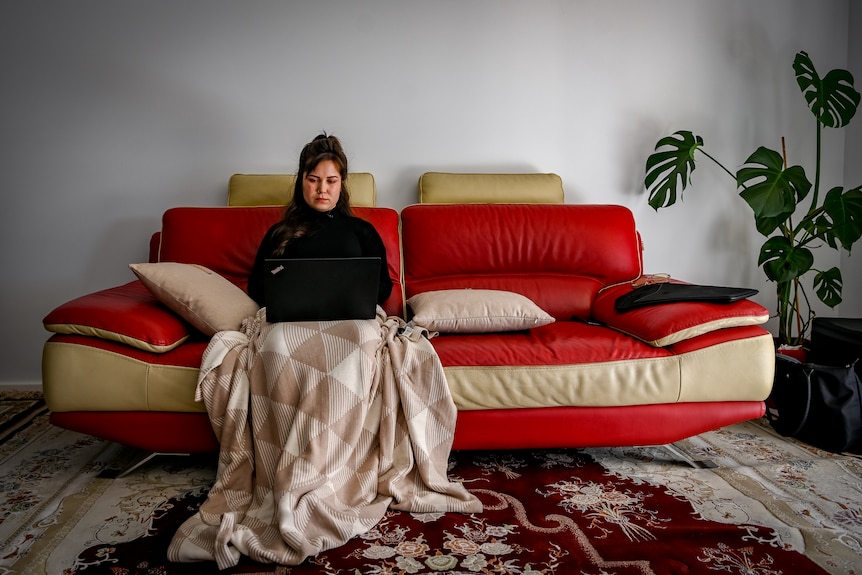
[771, 506]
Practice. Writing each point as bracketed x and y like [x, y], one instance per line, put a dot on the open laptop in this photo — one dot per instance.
[314, 289]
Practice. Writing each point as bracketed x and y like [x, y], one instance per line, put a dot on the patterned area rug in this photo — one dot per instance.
[772, 506]
[17, 409]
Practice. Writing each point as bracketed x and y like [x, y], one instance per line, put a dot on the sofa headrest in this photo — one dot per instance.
[277, 189]
[447, 188]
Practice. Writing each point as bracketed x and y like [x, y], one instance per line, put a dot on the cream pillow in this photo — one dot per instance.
[197, 294]
[476, 311]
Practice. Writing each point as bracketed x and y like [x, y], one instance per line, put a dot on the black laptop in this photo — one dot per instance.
[316, 289]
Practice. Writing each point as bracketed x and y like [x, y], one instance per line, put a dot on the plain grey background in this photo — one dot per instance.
[113, 111]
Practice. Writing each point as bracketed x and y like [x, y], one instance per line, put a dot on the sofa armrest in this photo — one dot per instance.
[155, 244]
[127, 314]
[665, 324]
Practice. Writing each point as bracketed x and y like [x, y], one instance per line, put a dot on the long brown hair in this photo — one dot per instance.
[298, 217]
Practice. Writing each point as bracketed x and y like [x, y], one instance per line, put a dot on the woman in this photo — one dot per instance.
[318, 221]
[315, 419]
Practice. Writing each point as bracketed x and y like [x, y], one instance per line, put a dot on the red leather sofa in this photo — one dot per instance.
[120, 365]
[594, 377]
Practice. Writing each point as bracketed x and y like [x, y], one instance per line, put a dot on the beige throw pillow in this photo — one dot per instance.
[476, 311]
[200, 296]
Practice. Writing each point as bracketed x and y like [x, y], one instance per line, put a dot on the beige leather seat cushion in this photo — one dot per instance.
[83, 378]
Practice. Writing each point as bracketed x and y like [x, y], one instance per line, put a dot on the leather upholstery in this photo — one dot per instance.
[562, 257]
[448, 188]
[596, 426]
[571, 383]
[128, 314]
[559, 256]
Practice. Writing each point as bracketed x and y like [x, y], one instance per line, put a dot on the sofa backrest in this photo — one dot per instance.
[225, 240]
[559, 256]
[277, 189]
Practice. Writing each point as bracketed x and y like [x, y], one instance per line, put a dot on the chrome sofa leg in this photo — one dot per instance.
[680, 454]
[136, 463]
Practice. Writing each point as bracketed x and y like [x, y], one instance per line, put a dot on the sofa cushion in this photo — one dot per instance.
[571, 363]
[476, 311]
[197, 294]
[127, 314]
[666, 324]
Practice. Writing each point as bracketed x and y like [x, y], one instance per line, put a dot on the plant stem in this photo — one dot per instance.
[790, 232]
[719, 164]
[814, 197]
[798, 312]
[782, 290]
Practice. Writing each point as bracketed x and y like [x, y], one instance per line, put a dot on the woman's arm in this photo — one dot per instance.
[258, 270]
[372, 246]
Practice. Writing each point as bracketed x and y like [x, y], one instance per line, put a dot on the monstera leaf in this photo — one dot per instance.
[782, 261]
[828, 286]
[844, 211]
[670, 167]
[832, 99]
[772, 191]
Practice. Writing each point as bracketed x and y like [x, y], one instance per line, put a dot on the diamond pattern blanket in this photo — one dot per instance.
[323, 426]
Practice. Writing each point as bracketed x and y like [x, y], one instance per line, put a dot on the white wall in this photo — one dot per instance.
[114, 111]
[851, 264]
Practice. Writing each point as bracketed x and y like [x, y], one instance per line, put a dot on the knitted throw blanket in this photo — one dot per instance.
[322, 427]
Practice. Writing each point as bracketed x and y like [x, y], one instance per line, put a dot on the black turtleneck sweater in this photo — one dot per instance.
[331, 236]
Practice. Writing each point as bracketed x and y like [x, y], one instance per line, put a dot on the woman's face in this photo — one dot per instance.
[321, 187]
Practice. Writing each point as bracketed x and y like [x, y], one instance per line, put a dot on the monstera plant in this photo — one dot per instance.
[795, 219]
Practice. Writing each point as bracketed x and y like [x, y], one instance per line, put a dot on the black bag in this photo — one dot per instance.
[836, 341]
[818, 404]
